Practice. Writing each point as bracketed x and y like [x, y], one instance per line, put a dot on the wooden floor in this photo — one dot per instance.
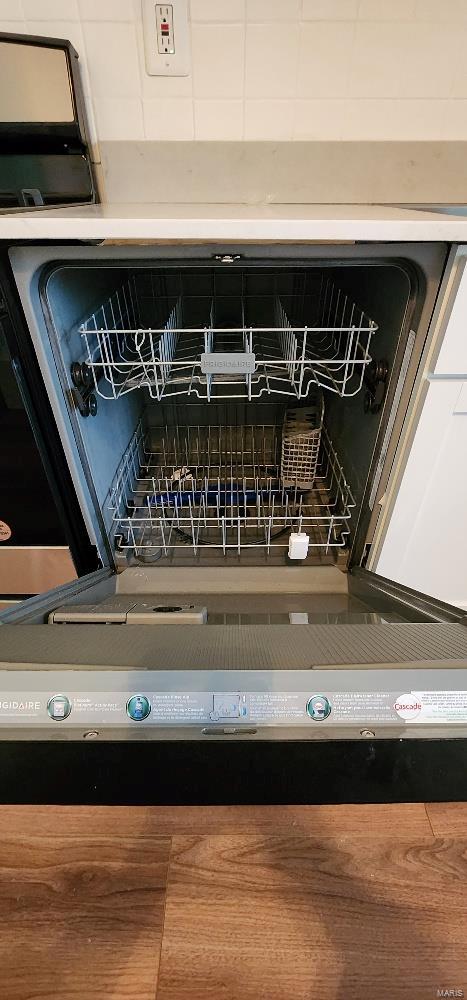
[328, 902]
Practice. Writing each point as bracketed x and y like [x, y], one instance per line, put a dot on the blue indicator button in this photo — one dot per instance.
[318, 707]
[59, 707]
[138, 707]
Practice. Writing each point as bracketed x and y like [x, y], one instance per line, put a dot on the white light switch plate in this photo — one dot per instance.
[166, 38]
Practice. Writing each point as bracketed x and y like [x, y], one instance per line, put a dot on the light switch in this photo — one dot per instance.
[166, 38]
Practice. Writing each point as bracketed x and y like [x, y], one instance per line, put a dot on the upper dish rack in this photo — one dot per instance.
[212, 360]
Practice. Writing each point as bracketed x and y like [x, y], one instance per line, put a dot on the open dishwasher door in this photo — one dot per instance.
[357, 695]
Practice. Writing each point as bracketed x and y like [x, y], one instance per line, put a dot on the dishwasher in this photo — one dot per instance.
[222, 426]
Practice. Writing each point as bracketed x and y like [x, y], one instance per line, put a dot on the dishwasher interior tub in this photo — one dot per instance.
[181, 379]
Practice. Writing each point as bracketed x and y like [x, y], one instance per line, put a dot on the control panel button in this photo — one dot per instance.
[318, 707]
[59, 707]
[138, 707]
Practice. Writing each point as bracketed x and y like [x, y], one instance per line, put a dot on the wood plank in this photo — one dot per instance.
[74, 821]
[271, 918]
[382, 820]
[82, 916]
[448, 819]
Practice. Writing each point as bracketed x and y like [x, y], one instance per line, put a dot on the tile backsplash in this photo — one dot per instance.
[354, 70]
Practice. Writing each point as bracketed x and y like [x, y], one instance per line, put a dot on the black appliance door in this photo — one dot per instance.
[38, 504]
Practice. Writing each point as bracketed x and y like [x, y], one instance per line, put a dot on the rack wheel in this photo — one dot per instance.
[76, 374]
[375, 380]
[380, 371]
[378, 397]
[81, 375]
[81, 403]
[92, 404]
[374, 400]
[86, 375]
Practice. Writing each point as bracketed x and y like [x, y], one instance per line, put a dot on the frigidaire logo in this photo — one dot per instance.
[450, 993]
[20, 706]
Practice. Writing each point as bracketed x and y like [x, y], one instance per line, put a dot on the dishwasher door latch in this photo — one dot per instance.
[375, 379]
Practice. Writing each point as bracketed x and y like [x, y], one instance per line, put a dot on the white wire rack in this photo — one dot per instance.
[220, 488]
[301, 437]
[211, 362]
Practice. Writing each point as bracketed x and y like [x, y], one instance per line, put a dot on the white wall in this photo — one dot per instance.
[338, 69]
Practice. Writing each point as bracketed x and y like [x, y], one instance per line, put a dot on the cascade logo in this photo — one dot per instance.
[450, 993]
[407, 706]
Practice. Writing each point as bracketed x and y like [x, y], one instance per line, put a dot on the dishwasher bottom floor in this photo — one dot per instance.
[225, 609]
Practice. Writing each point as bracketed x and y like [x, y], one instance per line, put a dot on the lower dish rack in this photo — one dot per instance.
[212, 360]
[221, 488]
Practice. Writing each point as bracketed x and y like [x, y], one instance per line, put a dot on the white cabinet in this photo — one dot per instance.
[424, 542]
[452, 322]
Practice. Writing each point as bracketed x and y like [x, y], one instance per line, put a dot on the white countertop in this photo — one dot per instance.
[336, 223]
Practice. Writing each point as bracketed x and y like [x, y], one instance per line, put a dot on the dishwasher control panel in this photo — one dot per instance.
[211, 701]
